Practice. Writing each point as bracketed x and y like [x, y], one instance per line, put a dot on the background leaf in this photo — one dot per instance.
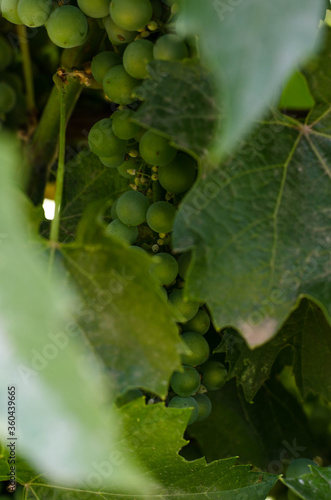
[153, 434]
[85, 181]
[124, 315]
[260, 229]
[229, 33]
[269, 432]
[307, 331]
[61, 395]
[312, 486]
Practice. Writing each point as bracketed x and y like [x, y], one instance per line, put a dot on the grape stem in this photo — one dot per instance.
[27, 71]
[55, 226]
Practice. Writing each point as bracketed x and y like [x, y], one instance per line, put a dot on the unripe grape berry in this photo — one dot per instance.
[102, 63]
[205, 407]
[188, 402]
[185, 383]
[136, 57]
[123, 127]
[131, 208]
[131, 15]
[214, 375]
[118, 85]
[117, 35]
[102, 140]
[113, 161]
[298, 467]
[164, 268]
[199, 324]
[94, 8]
[199, 349]
[9, 11]
[160, 217]
[170, 48]
[155, 149]
[7, 98]
[178, 175]
[186, 309]
[6, 53]
[34, 13]
[67, 27]
[124, 233]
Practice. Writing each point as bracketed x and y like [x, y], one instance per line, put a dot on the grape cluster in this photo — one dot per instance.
[138, 32]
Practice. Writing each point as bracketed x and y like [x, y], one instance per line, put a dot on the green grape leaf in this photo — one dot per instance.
[259, 227]
[179, 103]
[264, 38]
[307, 331]
[153, 434]
[86, 180]
[312, 486]
[124, 314]
[60, 392]
[270, 432]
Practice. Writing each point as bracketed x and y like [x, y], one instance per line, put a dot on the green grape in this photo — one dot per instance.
[129, 164]
[164, 268]
[131, 15]
[131, 208]
[185, 383]
[136, 57]
[113, 212]
[118, 85]
[117, 35]
[199, 349]
[155, 149]
[186, 309]
[34, 13]
[183, 264]
[94, 8]
[9, 11]
[170, 48]
[67, 27]
[214, 375]
[113, 161]
[129, 396]
[7, 98]
[160, 217]
[298, 467]
[178, 175]
[188, 402]
[122, 126]
[199, 324]
[6, 53]
[125, 233]
[102, 63]
[102, 140]
[205, 406]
